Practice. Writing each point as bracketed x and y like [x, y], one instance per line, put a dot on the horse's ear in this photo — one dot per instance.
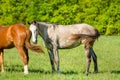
[34, 22]
[29, 23]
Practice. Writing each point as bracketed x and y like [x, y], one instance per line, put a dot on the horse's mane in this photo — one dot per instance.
[47, 24]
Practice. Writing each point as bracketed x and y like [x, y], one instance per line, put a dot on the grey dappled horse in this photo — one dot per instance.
[63, 37]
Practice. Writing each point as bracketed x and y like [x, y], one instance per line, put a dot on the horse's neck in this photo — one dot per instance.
[43, 31]
[47, 30]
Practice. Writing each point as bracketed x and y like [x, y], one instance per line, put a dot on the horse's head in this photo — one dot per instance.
[34, 30]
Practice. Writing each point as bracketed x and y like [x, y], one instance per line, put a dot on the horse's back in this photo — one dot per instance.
[18, 33]
[18, 27]
[5, 41]
[3, 32]
[18, 30]
[75, 29]
[65, 34]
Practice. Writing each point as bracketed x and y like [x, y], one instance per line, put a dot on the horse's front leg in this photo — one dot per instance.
[56, 56]
[2, 61]
[88, 59]
[51, 55]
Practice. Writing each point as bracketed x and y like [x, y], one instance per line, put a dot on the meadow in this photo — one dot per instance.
[72, 62]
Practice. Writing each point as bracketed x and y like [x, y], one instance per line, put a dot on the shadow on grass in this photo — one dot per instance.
[19, 68]
[50, 72]
[115, 72]
[13, 68]
[69, 72]
[39, 71]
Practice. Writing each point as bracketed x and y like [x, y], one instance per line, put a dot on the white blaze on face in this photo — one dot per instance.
[33, 29]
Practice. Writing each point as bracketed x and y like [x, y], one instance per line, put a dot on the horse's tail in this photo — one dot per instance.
[78, 36]
[97, 34]
[28, 45]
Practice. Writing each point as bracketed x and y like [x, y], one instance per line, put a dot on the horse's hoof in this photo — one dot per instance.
[95, 72]
[59, 72]
[53, 72]
[86, 73]
[2, 71]
[26, 73]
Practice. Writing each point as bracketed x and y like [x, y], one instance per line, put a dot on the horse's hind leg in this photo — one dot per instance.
[95, 60]
[2, 60]
[88, 44]
[24, 54]
[88, 59]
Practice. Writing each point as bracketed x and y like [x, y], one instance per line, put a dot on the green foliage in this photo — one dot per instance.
[102, 29]
[103, 13]
[113, 30]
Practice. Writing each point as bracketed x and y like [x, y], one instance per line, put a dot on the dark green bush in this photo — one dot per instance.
[102, 29]
[112, 30]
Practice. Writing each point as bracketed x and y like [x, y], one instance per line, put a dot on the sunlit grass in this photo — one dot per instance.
[72, 62]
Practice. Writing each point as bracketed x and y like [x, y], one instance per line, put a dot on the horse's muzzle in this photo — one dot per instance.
[35, 42]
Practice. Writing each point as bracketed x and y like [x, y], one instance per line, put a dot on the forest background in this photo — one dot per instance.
[102, 14]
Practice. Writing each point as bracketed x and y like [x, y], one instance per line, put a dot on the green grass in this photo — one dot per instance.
[72, 62]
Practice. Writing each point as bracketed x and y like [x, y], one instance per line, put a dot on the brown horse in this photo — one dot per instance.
[18, 36]
[64, 37]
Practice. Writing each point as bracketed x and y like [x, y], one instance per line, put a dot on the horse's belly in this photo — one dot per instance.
[6, 46]
[69, 44]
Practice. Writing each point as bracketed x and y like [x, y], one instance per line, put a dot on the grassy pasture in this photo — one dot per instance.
[72, 62]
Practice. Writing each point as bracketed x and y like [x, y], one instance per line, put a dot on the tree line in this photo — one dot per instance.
[102, 14]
